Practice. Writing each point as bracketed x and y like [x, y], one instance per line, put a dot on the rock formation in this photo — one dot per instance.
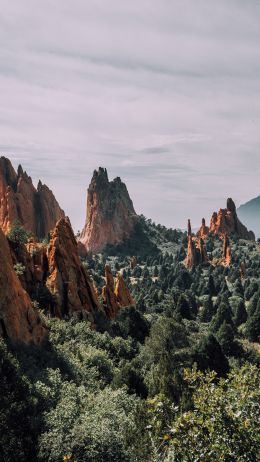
[226, 222]
[226, 251]
[36, 209]
[110, 214]
[111, 304]
[122, 292]
[54, 275]
[68, 282]
[196, 251]
[203, 231]
[242, 270]
[115, 295]
[19, 319]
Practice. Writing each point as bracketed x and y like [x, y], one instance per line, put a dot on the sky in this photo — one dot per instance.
[163, 93]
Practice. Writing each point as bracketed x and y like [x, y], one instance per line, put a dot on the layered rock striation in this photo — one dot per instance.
[35, 208]
[110, 214]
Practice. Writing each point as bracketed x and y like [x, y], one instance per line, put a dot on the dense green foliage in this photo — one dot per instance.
[130, 391]
[18, 234]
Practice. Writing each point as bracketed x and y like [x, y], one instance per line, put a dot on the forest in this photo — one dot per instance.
[174, 378]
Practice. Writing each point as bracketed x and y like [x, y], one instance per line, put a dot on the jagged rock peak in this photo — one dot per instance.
[110, 213]
[226, 222]
[204, 230]
[68, 281]
[36, 209]
[111, 304]
[122, 292]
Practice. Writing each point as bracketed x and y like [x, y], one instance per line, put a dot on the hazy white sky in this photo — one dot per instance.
[164, 93]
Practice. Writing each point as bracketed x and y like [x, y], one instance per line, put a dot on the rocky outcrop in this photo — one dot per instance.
[111, 304]
[242, 270]
[226, 251]
[19, 319]
[203, 231]
[226, 222]
[36, 209]
[196, 251]
[54, 276]
[115, 295]
[122, 292]
[110, 214]
[68, 282]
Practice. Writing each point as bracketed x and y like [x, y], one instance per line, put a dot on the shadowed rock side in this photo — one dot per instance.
[68, 281]
[110, 214]
[203, 231]
[226, 251]
[122, 292]
[196, 251]
[54, 275]
[115, 296]
[111, 304]
[19, 319]
[226, 222]
[36, 209]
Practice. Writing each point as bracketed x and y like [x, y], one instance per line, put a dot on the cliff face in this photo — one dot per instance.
[54, 275]
[19, 319]
[110, 214]
[122, 292]
[36, 209]
[226, 222]
[68, 281]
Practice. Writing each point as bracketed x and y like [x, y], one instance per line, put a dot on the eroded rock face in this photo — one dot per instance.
[122, 292]
[226, 251]
[110, 214]
[196, 251]
[19, 319]
[226, 222]
[36, 209]
[204, 230]
[111, 304]
[68, 281]
[115, 295]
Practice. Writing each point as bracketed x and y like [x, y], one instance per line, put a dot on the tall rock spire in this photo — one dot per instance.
[110, 214]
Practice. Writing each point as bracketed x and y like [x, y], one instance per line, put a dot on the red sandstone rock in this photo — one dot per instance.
[122, 292]
[110, 214]
[227, 222]
[226, 251]
[203, 231]
[68, 281]
[19, 319]
[36, 209]
[111, 304]
[196, 251]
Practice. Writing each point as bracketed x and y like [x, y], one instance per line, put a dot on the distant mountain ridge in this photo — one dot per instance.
[250, 214]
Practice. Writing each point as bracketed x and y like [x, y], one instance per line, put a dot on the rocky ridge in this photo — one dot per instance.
[35, 208]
